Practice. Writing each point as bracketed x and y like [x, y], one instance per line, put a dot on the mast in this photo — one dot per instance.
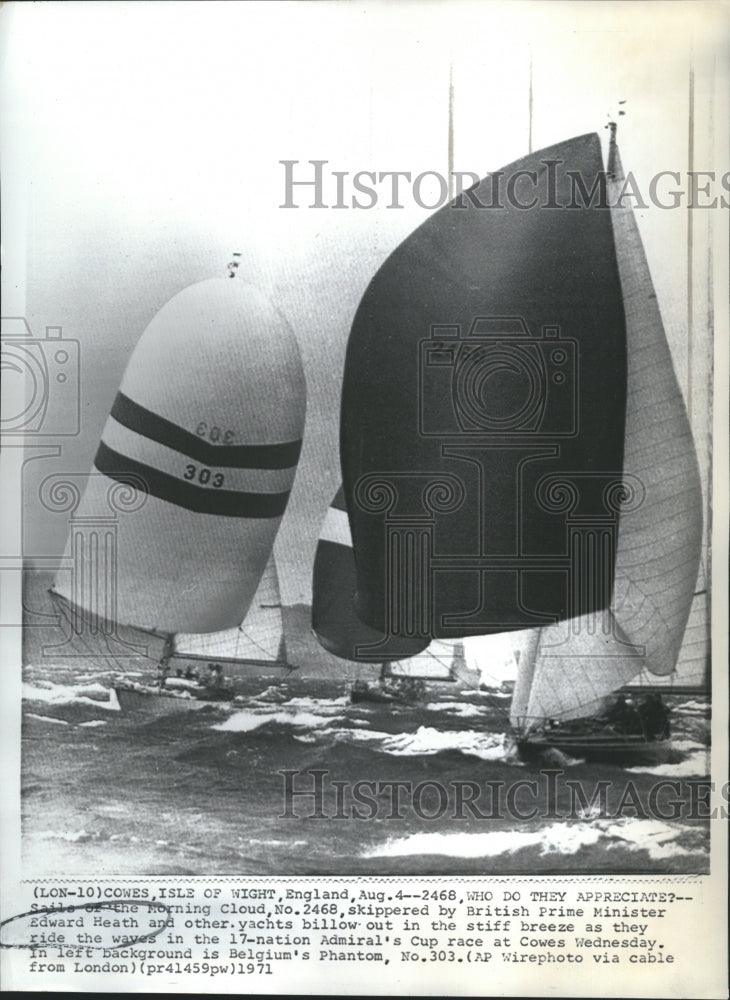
[164, 665]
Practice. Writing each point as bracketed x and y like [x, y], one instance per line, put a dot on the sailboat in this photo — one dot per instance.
[255, 650]
[515, 449]
[404, 667]
[170, 552]
[410, 680]
[658, 551]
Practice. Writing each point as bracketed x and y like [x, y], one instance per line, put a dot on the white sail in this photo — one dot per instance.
[194, 469]
[259, 638]
[440, 661]
[692, 669]
[495, 657]
[577, 663]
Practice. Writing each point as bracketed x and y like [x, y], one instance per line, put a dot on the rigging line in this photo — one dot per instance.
[242, 632]
[93, 648]
[92, 644]
[253, 641]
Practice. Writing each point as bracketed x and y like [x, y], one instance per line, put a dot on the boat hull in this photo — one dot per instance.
[598, 746]
[155, 703]
[375, 692]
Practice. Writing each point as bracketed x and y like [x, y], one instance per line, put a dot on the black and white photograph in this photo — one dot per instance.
[364, 479]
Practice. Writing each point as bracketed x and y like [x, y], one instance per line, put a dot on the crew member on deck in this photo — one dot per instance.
[654, 716]
[215, 676]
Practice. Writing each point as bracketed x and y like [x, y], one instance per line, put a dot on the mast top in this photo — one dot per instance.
[612, 126]
[233, 264]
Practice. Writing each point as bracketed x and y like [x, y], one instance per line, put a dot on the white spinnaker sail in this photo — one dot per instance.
[195, 466]
[575, 664]
[258, 638]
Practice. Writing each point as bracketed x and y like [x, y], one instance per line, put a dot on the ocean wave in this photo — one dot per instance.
[70, 694]
[692, 707]
[464, 710]
[696, 765]
[560, 838]
[323, 705]
[246, 721]
[655, 837]
[426, 741]
[429, 741]
[258, 842]
[71, 836]
[47, 718]
[316, 736]
[658, 839]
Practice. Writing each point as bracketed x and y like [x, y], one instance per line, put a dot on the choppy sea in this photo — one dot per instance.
[295, 779]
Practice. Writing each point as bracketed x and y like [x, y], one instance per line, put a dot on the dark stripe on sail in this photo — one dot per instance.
[244, 456]
[200, 499]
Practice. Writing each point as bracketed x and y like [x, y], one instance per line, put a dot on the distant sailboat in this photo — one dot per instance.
[441, 662]
[515, 449]
[410, 680]
[405, 665]
[203, 461]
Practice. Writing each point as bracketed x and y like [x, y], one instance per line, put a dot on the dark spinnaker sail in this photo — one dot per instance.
[483, 408]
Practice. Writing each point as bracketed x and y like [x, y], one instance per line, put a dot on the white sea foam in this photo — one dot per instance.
[463, 709]
[362, 735]
[67, 694]
[48, 718]
[316, 736]
[72, 837]
[651, 835]
[558, 838]
[658, 839]
[325, 706]
[693, 707]
[696, 765]
[426, 740]
[246, 721]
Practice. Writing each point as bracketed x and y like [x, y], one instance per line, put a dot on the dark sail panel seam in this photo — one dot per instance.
[246, 456]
